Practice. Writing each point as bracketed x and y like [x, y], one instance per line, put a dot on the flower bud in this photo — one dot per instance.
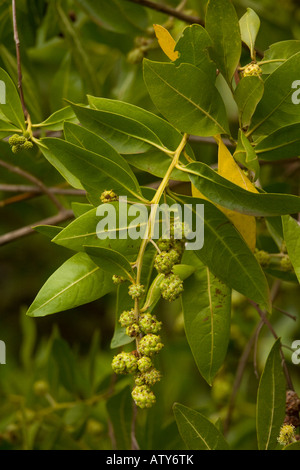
[149, 324]
[143, 396]
[150, 344]
[287, 434]
[286, 264]
[136, 290]
[262, 257]
[133, 330]
[144, 363]
[252, 70]
[127, 318]
[171, 287]
[41, 388]
[108, 196]
[165, 261]
[124, 363]
[118, 279]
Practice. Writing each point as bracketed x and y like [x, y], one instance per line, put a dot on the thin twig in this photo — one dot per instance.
[293, 317]
[258, 330]
[238, 378]
[34, 180]
[28, 230]
[23, 188]
[17, 198]
[134, 443]
[271, 329]
[209, 140]
[169, 11]
[19, 66]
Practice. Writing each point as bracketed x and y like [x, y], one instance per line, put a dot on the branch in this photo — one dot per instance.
[34, 180]
[169, 11]
[28, 230]
[20, 188]
[17, 42]
[268, 324]
[238, 378]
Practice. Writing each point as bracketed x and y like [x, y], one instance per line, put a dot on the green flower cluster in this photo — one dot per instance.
[139, 362]
[143, 325]
[286, 435]
[252, 69]
[136, 290]
[108, 196]
[118, 279]
[19, 142]
[286, 263]
[171, 287]
[262, 257]
[172, 249]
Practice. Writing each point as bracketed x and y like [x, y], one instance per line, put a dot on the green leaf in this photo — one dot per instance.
[10, 104]
[279, 52]
[120, 411]
[156, 163]
[292, 446]
[270, 410]
[84, 231]
[245, 154]
[126, 126]
[80, 208]
[118, 16]
[202, 111]
[226, 194]
[276, 108]
[197, 431]
[192, 47]
[235, 263]
[183, 270]
[286, 276]
[153, 293]
[247, 95]
[97, 172]
[110, 261]
[56, 121]
[123, 302]
[222, 24]
[55, 160]
[6, 128]
[206, 305]
[291, 233]
[49, 231]
[274, 226]
[281, 144]
[77, 282]
[249, 26]
[127, 135]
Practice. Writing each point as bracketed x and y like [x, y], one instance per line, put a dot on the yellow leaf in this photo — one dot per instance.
[166, 42]
[228, 168]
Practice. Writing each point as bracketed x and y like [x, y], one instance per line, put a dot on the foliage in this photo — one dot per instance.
[118, 110]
